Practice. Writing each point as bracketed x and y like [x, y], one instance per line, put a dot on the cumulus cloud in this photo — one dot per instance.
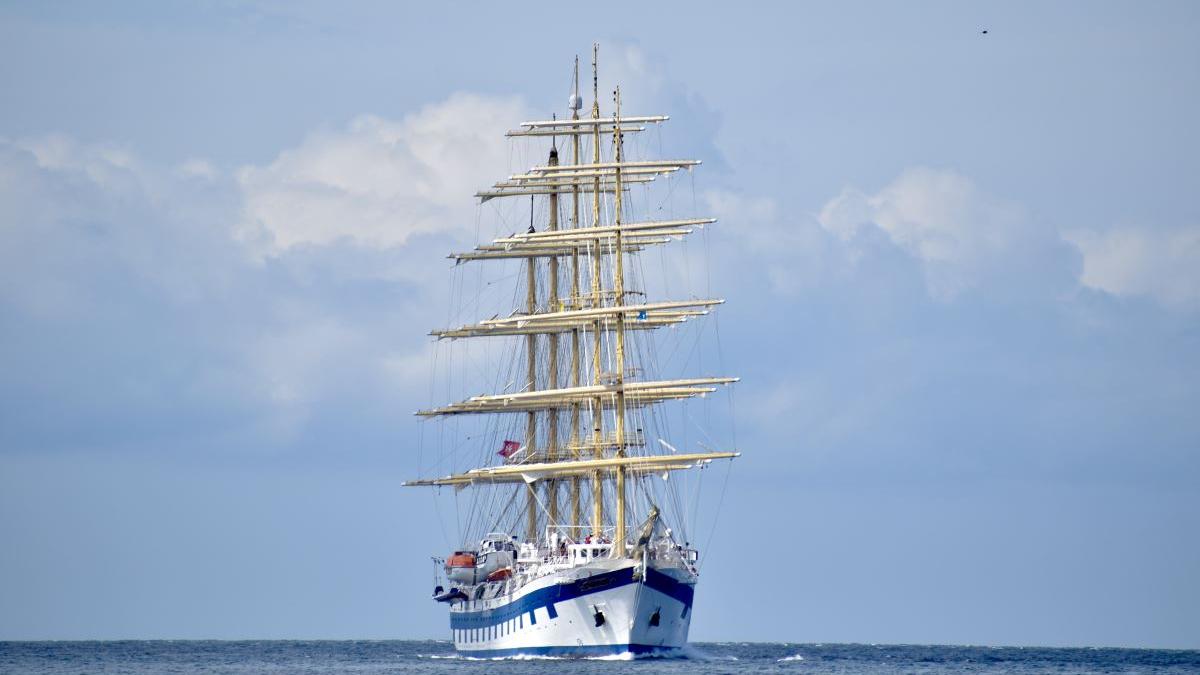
[138, 299]
[961, 236]
[790, 249]
[938, 217]
[380, 182]
[1160, 264]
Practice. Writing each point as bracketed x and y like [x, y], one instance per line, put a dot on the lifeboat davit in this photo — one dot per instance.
[500, 574]
[460, 567]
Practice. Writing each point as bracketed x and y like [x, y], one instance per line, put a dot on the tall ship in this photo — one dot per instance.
[575, 528]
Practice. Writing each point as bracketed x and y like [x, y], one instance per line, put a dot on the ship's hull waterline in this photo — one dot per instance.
[580, 612]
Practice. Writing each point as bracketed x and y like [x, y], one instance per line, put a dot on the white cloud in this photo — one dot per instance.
[939, 217]
[791, 250]
[1160, 264]
[132, 300]
[199, 169]
[380, 182]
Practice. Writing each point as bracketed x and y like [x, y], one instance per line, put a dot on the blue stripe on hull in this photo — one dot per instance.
[578, 651]
[669, 586]
[543, 597]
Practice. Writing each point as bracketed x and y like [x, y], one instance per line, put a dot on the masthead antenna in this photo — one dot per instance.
[574, 103]
[595, 80]
[575, 85]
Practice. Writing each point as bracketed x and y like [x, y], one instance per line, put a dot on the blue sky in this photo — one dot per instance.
[222, 230]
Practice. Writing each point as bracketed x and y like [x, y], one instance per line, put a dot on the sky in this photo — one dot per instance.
[962, 274]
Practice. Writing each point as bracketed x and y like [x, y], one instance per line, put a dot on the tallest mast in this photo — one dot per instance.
[597, 301]
[619, 300]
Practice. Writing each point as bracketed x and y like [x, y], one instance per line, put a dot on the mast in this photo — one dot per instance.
[552, 421]
[574, 104]
[597, 374]
[619, 297]
[531, 385]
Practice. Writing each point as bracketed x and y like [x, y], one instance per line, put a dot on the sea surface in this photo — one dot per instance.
[369, 657]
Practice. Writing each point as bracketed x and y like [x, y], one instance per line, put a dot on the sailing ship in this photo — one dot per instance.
[620, 579]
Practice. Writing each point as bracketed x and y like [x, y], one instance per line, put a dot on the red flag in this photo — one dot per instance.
[509, 448]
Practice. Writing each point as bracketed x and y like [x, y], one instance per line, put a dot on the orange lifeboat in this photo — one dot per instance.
[460, 567]
[500, 574]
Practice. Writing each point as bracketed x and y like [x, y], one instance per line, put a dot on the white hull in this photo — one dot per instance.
[557, 614]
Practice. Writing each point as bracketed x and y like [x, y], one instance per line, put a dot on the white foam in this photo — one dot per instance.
[623, 656]
[793, 657]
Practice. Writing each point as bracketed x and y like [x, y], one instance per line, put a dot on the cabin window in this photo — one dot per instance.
[595, 552]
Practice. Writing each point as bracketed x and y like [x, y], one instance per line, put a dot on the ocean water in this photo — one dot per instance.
[369, 657]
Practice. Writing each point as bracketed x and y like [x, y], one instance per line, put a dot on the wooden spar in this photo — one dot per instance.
[552, 414]
[598, 389]
[635, 245]
[530, 473]
[523, 190]
[618, 165]
[563, 182]
[559, 176]
[596, 120]
[566, 243]
[598, 404]
[602, 400]
[488, 195]
[618, 550]
[573, 131]
[651, 322]
[606, 230]
[619, 310]
[556, 322]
